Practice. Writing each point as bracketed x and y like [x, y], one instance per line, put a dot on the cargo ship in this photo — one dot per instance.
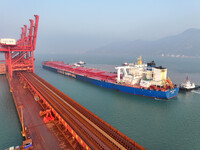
[136, 78]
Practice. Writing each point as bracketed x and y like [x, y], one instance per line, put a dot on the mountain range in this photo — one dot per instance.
[186, 43]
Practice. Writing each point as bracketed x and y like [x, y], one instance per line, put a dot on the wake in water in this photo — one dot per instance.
[159, 99]
[197, 92]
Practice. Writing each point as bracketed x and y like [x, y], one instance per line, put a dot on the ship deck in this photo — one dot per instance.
[83, 71]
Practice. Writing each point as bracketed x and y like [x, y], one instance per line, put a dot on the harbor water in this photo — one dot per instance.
[10, 127]
[155, 124]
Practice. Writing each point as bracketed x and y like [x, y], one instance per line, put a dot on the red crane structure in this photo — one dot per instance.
[19, 55]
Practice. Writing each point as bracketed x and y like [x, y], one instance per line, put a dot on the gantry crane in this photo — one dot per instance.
[19, 55]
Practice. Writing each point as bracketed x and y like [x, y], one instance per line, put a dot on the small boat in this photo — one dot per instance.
[128, 64]
[125, 64]
[81, 62]
[77, 64]
[187, 85]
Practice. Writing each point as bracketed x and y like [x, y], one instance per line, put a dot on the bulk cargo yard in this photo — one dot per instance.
[49, 118]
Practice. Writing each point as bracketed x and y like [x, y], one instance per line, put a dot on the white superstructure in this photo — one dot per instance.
[141, 74]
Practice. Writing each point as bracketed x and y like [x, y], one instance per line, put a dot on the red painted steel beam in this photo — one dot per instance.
[35, 31]
[25, 31]
[22, 34]
[3, 50]
[19, 58]
[30, 32]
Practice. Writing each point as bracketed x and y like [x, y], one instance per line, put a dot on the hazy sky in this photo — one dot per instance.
[81, 25]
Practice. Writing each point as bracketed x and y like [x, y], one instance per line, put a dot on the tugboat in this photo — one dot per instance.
[187, 85]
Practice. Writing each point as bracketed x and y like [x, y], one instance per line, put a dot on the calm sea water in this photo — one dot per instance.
[10, 127]
[155, 124]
